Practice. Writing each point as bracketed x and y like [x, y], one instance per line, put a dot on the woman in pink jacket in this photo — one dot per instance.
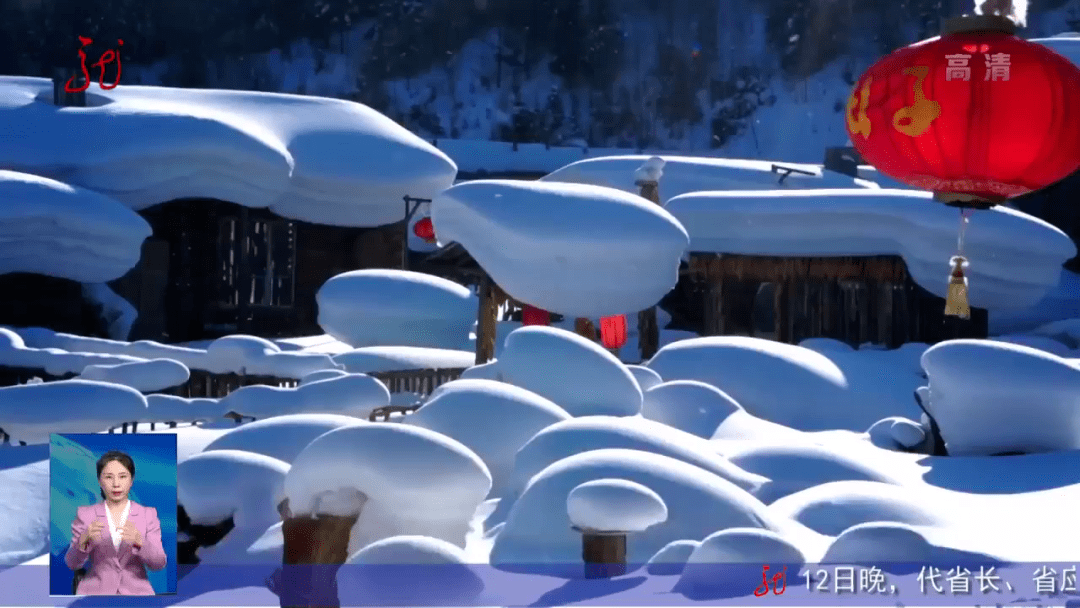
[119, 537]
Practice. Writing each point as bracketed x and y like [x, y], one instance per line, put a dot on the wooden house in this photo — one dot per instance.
[214, 268]
[852, 299]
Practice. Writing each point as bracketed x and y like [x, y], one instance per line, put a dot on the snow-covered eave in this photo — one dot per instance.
[1015, 258]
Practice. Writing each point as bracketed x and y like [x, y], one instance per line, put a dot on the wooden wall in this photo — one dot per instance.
[854, 300]
[229, 269]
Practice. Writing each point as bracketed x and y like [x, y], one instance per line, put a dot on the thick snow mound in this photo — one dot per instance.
[615, 505]
[352, 394]
[53, 361]
[30, 412]
[549, 244]
[396, 308]
[412, 481]
[672, 558]
[688, 405]
[1015, 258]
[396, 358]
[484, 371]
[323, 374]
[51, 228]
[782, 383]
[705, 573]
[894, 545]
[685, 174]
[237, 354]
[214, 486]
[491, 418]
[831, 508]
[579, 435]
[571, 370]
[143, 376]
[896, 433]
[992, 397]
[538, 529]
[380, 574]
[170, 408]
[793, 468]
[646, 378]
[280, 437]
[313, 159]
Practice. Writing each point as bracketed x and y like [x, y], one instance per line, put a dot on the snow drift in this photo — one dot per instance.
[993, 397]
[396, 308]
[556, 364]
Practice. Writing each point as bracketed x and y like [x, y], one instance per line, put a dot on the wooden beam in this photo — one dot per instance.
[486, 321]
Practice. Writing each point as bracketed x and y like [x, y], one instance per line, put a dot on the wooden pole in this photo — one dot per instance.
[486, 321]
[314, 546]
[648, 328]
[604, 553]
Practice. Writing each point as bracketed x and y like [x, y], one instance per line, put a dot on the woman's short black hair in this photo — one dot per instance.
[117, 456]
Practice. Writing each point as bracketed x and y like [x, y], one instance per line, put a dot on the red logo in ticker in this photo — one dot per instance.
[779, 582]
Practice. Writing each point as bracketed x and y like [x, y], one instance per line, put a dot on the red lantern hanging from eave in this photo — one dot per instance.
[531, 315]
[973, 114]
[976, 115]
[425, 230]
[613, 331]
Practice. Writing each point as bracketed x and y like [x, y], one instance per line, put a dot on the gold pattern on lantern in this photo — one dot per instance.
[857, 120]
[915, 119]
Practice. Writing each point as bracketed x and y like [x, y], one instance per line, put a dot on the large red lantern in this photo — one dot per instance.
[531, 315]
[976, 115]
[613, 331]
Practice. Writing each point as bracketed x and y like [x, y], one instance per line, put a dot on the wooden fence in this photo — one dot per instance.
[203, 384]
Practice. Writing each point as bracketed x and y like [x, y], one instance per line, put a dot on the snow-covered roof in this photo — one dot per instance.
[1014, 257]
[312, 159]
[54, 229]
[573, 249]
[684, 174]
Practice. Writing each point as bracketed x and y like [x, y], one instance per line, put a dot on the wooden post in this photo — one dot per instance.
[604, 553]
[61, 97]
[782, 310]
[648, 329]
[486, 321]
[314, 546]
[585, 327]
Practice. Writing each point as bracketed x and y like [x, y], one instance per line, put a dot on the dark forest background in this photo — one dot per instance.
[581, 41]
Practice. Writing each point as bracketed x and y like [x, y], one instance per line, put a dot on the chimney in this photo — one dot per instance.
[61, 97]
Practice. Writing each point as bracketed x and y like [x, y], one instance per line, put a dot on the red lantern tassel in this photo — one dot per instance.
[531, 315]
[956, 302]
[613, 331]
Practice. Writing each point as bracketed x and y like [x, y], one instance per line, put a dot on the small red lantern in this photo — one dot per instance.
[425, 230]
[976, 115]
[613, 331]
[531, 315]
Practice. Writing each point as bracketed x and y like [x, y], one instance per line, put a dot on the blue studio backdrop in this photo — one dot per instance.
[73, 483]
